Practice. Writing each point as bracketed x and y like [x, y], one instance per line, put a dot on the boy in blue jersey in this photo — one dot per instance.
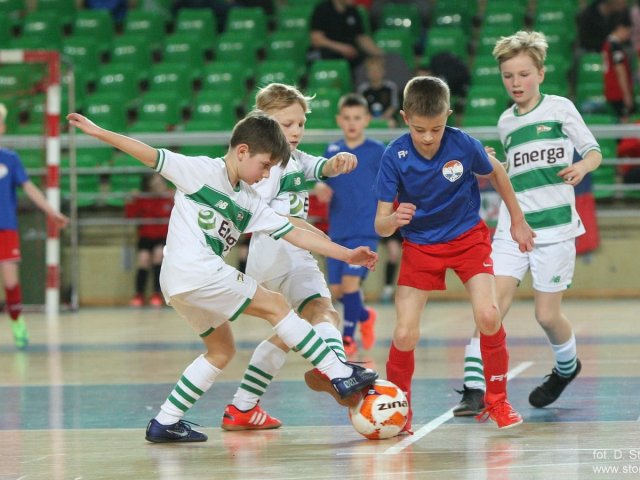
[352, 210]
[12, 176]
[432, 172]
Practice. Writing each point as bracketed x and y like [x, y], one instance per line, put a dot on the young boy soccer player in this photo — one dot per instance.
[213, 206]
[352, 211]
[286, 268]
[431, 170]
[540, 133]
[12, 176]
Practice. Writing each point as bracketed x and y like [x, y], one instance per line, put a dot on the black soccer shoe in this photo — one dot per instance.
[176, 433]
[552, 387]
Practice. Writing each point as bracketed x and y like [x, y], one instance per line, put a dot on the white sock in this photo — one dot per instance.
[473, 367]
[303, 339]
[196, 379]
[266, 362]
[566, 357]
[333, 337]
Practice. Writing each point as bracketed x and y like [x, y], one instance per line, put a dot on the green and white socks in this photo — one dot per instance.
[473, 366]
[566, 357]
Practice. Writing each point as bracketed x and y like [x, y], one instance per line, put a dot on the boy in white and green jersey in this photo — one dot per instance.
[286, 268]
[539, 134]
[214, 204]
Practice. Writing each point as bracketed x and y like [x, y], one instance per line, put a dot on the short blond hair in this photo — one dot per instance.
[3, 113]
[277, 96]
[533, 44]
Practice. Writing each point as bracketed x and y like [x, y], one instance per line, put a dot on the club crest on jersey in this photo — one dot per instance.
[206, 219]
[452, 170]
[542, 129]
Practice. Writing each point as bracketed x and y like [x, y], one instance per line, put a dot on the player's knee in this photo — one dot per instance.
[221, 356]
[488, 320]
[406, 338]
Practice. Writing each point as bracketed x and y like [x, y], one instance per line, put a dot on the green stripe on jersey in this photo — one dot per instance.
[318, 169]
[293, 182]
[282, 231]
[551, 217]
[534, 132]
[536, 178]
[216, 245]
[159, 161]
[224, 205]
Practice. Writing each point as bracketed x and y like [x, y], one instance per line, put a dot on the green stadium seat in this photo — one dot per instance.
[455, 13]
[96, 25]
[486, 70]
[590, 98]
[402, 16]
[107, 110]
[123, 80]
[446, 39]
[132, 50]
[552, 16]
[5, 31]
[248, 21]
[149, 25]
[65, 10]
[236, 47]
[88, 188]
[513, 19]
[187, 49]
[44, 29]
[294, 17]
[485, 104]
[590, 68]
[158, 111]
[167, 77]
[288, 45]
[489, 36]
[123, 186]
[32, 158]
[211, 151]
[228, 77]
[324, 107]
[393, 40]
[200, 21]
[93, 157]
[280, 71]
[12, 9]
[84, 56]
[330, 74]
[212, 111]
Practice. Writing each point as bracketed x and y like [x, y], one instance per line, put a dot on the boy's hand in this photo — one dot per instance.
[522, 233]
[342, 162]
[573, 174]
[59, 219]
[490, 151]
[363, 256]
[403, 214]
[83, 123]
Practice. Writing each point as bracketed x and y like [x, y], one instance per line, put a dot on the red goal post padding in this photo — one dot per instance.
[52, 144]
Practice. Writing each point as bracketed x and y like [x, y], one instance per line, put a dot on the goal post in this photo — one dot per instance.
[52, 85]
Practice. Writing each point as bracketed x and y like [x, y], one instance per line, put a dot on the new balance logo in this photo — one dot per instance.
[498, 378]
[555, 279]
[221, 204]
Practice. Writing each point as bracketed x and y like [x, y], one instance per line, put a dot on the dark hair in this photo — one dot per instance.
[426, 97]
[262, 134]
[353, 100]
[620, 19]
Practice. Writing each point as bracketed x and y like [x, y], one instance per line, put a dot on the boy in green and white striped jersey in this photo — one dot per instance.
[539, 133]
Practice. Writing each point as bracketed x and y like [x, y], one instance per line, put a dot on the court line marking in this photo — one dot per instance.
[445, 417]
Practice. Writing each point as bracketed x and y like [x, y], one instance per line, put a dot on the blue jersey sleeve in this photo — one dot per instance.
[481, 163]
[387, 181]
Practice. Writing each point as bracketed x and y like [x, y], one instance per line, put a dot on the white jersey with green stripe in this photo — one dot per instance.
[208, 216]
[287, 193]
[538, 145]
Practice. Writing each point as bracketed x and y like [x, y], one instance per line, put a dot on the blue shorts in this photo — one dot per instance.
[337, 269]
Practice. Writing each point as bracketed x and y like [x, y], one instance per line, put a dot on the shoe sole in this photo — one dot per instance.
[506, 427]
[321, 384]
[169, 440]
[238, 428]
[467, 413]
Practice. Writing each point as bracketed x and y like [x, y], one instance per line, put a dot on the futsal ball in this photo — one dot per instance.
[382, 412]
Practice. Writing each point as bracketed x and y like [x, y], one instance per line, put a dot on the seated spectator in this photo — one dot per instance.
[450, 68]
[618, 77]
[629, 147]
[382, 94]
[337, 31]
[594, 23]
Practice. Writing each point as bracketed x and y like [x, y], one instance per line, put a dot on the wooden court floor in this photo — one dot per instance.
[76, 403]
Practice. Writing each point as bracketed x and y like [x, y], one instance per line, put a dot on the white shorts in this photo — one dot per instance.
[225, 298]
[551, 265]
[300, 285]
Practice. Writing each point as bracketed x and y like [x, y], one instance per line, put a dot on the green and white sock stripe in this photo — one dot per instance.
[473, 372]
[336, 345]
[255, 380]
[566, 369]
[313, 348]
[184, 394]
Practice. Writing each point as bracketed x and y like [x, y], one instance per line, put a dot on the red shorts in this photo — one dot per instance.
[9, 246]
[424, 266]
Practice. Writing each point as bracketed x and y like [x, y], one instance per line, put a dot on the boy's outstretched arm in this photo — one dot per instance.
[141, 151]
[340, 163]
[312, 241]
[387, 221]
[521, 232]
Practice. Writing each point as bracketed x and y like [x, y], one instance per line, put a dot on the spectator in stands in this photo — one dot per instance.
[337, 31]
[154, 204]
[381, 94]
[12, 176]
[118, 8]
[635, 26]
[618, 77]
[220, 8]
[594, 23]
[450, 68]
[629, 147]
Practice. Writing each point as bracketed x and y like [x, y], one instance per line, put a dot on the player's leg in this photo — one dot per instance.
[13, 298]
[493, 345]
[143, 263]
[394, 251]
[156, 299]
[410, 303]
[552, 269]
[168, 425]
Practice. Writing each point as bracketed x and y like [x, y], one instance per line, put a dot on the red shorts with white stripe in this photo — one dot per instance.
[9, 246]
[424, 266]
